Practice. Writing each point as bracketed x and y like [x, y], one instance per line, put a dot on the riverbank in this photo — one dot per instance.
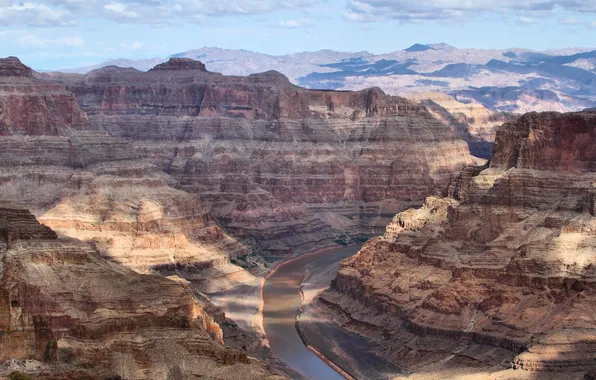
[245, 304]
[291, 260]
[322, 356]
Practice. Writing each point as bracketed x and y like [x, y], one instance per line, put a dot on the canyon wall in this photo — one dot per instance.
[183, 172]
[63, 304]
[285, 169]
[500, 275]
[474, 123]
[89, 185]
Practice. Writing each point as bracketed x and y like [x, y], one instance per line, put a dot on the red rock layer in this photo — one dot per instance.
[89, 185]
[473, 122]
[31, 107]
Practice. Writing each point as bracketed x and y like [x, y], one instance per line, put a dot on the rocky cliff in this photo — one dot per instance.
[63, 304]
[89, 185]
[285, 169]
[473, 122]
[501, 274]
[180, 171]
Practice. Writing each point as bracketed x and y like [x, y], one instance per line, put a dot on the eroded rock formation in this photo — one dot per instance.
[95, 187]
[501, 274]
[473, 122]
[62, 303]
[180, 171]
[285, 169]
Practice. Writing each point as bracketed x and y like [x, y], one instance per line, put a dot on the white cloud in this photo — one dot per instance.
[30, 40]
[120, 10]
[290, 24]
[170, 11]
[568, 21]
[593, 24]
[134, 46]
[69, 41]
[407, 10]
[35, 41]
[350, 15]
[33, 14]
[525, 20]
[294, 24]
[26, 39]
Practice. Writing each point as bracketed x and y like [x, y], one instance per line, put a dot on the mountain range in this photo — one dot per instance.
[511, 80]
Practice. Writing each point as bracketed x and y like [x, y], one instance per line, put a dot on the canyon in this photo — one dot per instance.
[495, 280]
[474, 123]
[142, 210]
[282, 168]
[184, 179]
[72, 314]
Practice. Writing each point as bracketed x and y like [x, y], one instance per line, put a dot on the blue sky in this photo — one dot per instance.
[70, 33]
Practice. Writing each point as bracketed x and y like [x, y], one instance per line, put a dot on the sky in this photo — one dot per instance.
[54, 34]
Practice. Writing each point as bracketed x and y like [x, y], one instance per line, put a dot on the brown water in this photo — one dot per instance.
[281, 302]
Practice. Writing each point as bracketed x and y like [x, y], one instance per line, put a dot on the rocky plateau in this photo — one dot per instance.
[473, 122]
[285, 170]
[510, 80]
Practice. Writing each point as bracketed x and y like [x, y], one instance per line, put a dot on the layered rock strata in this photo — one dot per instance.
[286, 169]
[501, 274]
[180, 171]
[62, 303]
[89, 185]
[473, 122]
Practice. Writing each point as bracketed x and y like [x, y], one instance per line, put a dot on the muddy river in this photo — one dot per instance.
[281, 303]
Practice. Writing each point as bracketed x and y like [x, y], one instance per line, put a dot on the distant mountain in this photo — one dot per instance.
[139, 64]
[418, 47]
[512, 80]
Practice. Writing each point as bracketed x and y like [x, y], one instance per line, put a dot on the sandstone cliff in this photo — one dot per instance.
[473, 122]
[285, 169]
[95, 187]
[62, 303]
[501, 274]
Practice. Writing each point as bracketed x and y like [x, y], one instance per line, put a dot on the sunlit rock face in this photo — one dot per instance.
[65, 305]
[500, 274]
[285, 169]
[473, 122]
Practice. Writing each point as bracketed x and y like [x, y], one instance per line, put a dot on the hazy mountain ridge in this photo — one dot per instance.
[511, 80]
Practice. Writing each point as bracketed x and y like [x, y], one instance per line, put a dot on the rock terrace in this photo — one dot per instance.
[287, 169]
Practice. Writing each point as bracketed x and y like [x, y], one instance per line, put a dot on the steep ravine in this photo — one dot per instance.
[66, 312]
